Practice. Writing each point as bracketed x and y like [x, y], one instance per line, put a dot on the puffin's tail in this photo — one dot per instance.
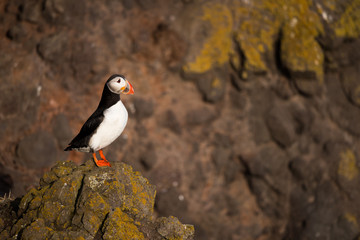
[69, 148]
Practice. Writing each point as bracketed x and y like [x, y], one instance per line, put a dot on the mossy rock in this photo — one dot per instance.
[84, 202]
[348, 25]
[171, 228]
[263, 35]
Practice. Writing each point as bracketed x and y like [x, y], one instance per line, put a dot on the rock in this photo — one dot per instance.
[344, 113]
[347, 24]
[31, 11]
[6, 63]
[213, 31]
[170, 121]
[148, 158]
[259, 130]
[171, 228]
[200, 116]
[82, 61]
[301, 54]
[8, 209]
[302, 117]
[225, 164]
[306, 83]
[143, 108]
[266, 198]
[172, 202]
[350, 84]
[21, 102]
[172, 46]
[325, 213]
[121, 43]
[238, 99]
[61, 130]
[343, 166]
[65, 12]
[90, 202]
[213, 89]
[53, 47]
[269, 168]
[16, 32]
[37, 150]
[118, 225]
[283, 88]
[280, 125]
[53, 9]
[261, 101]
[6, 182]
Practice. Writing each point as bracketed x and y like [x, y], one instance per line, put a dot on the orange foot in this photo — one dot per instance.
[102, 162]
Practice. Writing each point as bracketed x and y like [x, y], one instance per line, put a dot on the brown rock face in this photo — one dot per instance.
[245, 115]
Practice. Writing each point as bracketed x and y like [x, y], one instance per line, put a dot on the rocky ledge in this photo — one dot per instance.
[87, 202]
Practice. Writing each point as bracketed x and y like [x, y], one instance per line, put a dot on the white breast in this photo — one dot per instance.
[113, 124]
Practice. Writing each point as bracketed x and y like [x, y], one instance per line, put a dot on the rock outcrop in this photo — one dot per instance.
[87, 202]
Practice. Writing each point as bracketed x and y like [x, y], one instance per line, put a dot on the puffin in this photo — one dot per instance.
[107, 122]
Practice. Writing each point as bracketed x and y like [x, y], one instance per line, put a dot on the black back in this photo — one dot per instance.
[108, 99]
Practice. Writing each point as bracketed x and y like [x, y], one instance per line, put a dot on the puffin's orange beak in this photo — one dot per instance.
[129, 88]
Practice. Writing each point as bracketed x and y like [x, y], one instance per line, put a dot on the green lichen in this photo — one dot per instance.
[120, 226]
[218, 46]
[349, 23]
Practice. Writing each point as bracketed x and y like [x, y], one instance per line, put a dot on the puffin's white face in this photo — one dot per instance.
[120, 85]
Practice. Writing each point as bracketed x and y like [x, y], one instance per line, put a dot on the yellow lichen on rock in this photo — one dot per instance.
[347, 165]
[257, 32]
[349, 23]
[257, 27]
[177, 231]
[120, 226]
[300, 52]
[218, 46]
[86, 202]
[351, 218]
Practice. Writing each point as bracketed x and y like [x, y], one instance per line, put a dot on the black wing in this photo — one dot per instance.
[87, 130]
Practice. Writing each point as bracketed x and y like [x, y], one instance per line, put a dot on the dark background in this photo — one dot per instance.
[245, 115]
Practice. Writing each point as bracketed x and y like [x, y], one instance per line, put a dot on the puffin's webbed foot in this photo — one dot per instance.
[102, 162]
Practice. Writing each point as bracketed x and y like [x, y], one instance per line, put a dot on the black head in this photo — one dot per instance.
[115, 76]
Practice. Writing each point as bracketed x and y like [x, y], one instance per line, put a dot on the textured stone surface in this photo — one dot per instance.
[86, 201]
[37, 150]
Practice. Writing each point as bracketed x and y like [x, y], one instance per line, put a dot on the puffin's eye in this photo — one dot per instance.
[119, 81]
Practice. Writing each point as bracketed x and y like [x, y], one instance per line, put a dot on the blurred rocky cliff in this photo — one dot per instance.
[245, 115]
